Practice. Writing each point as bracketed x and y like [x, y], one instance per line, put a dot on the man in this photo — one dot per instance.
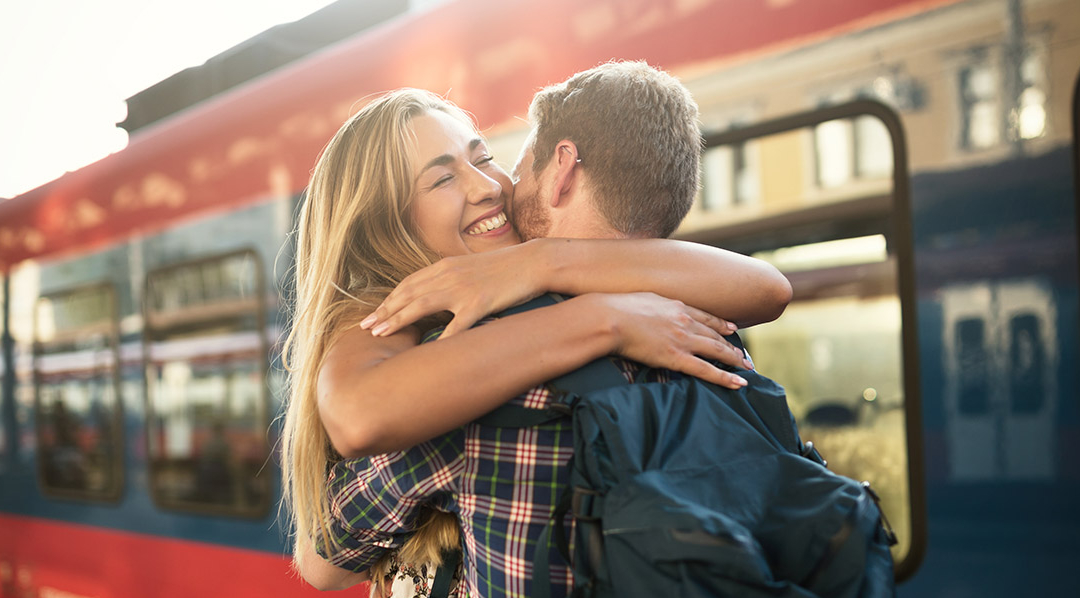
[614, 154]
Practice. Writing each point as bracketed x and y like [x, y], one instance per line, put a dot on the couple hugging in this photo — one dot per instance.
[408, 217]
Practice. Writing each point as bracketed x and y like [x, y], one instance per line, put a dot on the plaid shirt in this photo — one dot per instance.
[502, 483]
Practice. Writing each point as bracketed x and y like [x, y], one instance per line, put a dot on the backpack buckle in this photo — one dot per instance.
[561, 407]
[585, 504]
[810, 451]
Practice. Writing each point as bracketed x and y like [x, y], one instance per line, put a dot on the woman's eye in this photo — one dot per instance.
[441, 181]
[485, 161]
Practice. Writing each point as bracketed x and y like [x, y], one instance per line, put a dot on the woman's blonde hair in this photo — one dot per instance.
[355, 241]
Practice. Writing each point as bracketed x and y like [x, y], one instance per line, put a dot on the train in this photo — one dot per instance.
[910, 165]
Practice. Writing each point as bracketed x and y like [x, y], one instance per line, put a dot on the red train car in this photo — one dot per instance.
[909, 164]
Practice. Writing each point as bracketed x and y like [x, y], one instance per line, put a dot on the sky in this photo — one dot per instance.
[66, 67]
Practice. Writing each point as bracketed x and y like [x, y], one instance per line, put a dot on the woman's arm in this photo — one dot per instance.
[732, 286]
[382, 393]
[319, 573]
[729, 285]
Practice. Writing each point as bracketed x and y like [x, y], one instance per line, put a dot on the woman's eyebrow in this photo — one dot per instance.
[445, 159]
[442, 160]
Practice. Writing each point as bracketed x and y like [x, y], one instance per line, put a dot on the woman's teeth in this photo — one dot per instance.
[488, 225]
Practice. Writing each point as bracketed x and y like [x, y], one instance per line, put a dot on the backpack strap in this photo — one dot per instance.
[596, 375]
[554, 530]
[601, 373]
[440, 587]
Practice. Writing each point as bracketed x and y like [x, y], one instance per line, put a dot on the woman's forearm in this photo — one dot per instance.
[732, 286]
[382, 394]
[321, 574]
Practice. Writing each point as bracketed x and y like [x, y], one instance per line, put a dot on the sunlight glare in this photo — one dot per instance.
[68, 65]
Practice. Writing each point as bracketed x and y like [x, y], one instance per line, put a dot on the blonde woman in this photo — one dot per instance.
[409, 181]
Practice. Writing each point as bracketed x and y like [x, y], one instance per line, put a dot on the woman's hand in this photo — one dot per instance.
[469, 286]
[665, 333]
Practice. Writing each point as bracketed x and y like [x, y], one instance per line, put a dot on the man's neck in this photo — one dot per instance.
[589, 231]
[582, 221]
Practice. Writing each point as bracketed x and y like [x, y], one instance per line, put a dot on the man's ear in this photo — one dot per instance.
[566, 171]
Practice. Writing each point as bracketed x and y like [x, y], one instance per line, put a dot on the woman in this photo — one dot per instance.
[408, 181]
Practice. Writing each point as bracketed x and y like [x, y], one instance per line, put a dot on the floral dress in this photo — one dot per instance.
[414, 580]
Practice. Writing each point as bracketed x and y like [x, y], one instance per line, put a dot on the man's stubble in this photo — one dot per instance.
[528, 215]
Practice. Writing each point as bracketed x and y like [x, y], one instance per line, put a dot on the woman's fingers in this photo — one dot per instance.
[713, 345]
[405, 315]
[699, 368]
[706, 346]
[720, 325]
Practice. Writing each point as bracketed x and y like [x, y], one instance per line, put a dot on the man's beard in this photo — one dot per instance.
[529, 217]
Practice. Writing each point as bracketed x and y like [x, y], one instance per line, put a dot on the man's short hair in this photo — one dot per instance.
[637, 133]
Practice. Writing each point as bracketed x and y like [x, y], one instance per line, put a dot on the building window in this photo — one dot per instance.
[846, 150]
[980, 116]
[730, 176]
[206, 364]
[1031, 117]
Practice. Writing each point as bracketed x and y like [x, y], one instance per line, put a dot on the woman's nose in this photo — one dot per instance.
[483, 187]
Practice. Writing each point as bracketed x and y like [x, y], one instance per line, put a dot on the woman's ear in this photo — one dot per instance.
[566, 167]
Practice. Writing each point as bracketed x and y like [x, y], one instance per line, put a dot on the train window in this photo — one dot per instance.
[76, 376]
[1026, 357]
[974, 366]
[843, 349]
[207, 412]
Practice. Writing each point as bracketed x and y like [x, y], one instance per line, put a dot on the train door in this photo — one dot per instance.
[822, 196]
[1000, 393]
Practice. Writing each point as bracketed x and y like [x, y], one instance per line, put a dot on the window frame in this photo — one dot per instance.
[890, 213]
[1076, 150]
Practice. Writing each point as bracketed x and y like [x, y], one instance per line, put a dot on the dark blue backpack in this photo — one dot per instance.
[685, 488]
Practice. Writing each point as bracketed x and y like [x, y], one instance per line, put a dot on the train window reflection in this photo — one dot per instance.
[206, 385]
[76, 400]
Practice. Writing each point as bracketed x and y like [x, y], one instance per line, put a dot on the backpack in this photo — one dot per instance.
[685, 488]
